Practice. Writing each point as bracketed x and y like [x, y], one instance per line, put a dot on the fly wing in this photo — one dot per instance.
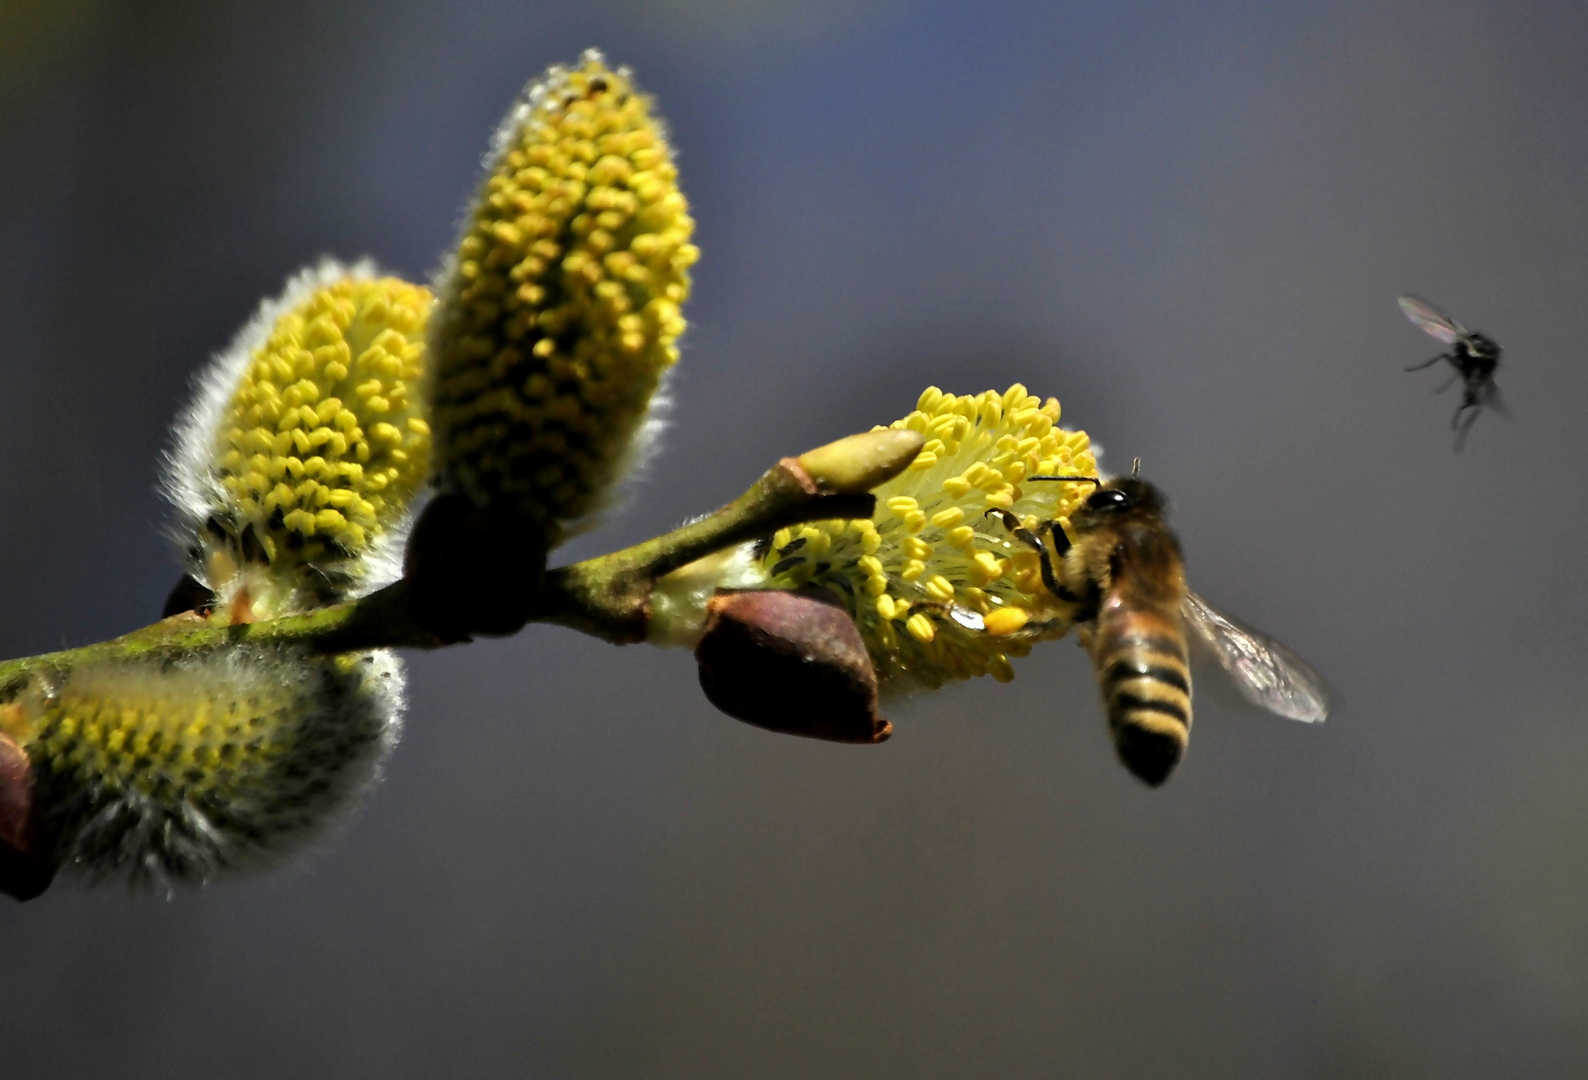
[1265, 672]
[1430, 320]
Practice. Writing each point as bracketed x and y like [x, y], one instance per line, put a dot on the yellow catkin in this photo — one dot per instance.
[955, 594]
[174, 771]
[562, 308]
[308, 443]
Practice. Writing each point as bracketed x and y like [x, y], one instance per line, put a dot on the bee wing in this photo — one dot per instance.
[1264, 671]
[1430, 320]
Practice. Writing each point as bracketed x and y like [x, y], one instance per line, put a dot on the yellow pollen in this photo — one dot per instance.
[1006, 620]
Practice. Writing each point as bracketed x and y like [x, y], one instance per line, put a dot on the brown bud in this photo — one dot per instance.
[790, 662]
[472, 571]
[25, 868]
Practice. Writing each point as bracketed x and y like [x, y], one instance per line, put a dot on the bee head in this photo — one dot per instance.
[1117, 502]
[1111, 499]
[1124, 494]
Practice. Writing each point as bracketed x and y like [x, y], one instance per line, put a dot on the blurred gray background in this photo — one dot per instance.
[1190, 226]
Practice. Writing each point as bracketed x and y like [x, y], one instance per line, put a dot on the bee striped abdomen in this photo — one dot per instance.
[1140, 655]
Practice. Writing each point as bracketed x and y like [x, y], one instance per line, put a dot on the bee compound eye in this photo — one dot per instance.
[1108, 499]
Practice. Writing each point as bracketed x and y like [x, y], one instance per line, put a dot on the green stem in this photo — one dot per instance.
[609, 597]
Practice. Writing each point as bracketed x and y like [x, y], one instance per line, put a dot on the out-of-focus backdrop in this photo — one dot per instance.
[1190, 224]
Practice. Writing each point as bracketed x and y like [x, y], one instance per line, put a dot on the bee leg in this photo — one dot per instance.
[1061, 540]
[1448, 383]
[1033, 540]
[1431, 363]
[1018, 531]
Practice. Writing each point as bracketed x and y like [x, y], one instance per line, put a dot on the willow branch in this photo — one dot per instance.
[607, 596]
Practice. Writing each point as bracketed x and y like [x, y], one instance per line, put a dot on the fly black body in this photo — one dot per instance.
[1474, 357]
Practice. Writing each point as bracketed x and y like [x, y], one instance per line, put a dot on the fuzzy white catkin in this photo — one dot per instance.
[292, 471]
[172, 772]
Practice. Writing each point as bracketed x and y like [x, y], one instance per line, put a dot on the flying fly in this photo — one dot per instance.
[1474, 357]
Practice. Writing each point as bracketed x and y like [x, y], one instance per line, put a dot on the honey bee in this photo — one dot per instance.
[1474, 357]
[1125, 576]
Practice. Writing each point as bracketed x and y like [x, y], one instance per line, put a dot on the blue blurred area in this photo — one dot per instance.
[1189, 224]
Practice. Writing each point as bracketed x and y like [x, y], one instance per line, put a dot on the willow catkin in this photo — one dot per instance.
[561, 311]
[294, 468]
[173, 771]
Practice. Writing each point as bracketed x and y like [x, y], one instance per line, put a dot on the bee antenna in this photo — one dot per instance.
[1135, 468]
[1094, 481]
